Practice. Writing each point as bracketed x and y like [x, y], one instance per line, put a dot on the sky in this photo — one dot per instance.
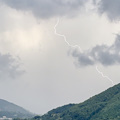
[56, 52]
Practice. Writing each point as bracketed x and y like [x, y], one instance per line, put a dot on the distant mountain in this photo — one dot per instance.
[13, 111]
[104, 106]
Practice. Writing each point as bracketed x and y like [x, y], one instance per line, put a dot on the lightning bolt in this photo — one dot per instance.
[104, 76]
[74, 46]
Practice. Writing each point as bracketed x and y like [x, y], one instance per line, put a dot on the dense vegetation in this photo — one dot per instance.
[105, 106]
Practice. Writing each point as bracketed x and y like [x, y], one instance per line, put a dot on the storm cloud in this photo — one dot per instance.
[111, 8]
[47, 8]
[103, 54]
[9, 67]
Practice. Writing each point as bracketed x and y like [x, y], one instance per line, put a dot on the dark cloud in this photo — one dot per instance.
[47, 8]
[111, 8]
[105, 55]
[9, 67]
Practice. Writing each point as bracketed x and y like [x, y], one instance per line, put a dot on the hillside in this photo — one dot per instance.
[13, 111]
[104, 106]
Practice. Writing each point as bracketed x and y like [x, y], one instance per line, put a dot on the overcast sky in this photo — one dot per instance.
[39, 70]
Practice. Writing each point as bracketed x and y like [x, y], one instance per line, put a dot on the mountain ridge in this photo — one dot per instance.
[12, 110]
[104, 106]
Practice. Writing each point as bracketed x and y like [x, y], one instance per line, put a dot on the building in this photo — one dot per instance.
[5, 118]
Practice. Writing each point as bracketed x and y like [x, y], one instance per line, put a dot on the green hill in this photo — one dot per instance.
[104, 106]
[13, 111]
